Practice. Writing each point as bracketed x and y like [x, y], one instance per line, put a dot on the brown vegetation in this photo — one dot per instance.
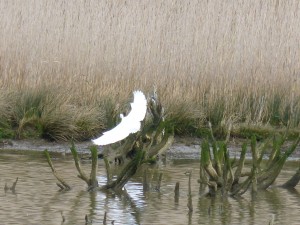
[233, 62]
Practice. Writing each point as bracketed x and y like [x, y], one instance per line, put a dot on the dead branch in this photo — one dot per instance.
[81, 175]
[176, 192]
[240, 167]
[190, 203]
[293, 181]
[93, 175]
[62, 183]
[107, 168]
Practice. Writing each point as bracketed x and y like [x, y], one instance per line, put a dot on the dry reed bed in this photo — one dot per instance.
[233, 61]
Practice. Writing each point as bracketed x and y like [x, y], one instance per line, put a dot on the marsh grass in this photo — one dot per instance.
[224, 62]
[48, 113]
[5, 123]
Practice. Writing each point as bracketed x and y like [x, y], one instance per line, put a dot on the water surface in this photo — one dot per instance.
[38, 201]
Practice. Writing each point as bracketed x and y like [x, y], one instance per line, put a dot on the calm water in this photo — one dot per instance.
[38, 201]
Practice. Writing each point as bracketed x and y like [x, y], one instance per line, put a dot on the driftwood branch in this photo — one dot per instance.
[82, 174]
[12, 188]
[176, 192]
[146, 186]
[93, 182]
[267, 177]
[128, 171]
[62, 183]
[159, 182]
[190, 202]
[293, 181]
[166, 142]
[107, 168]
[207, 164]
[238, 171]
[220, 168]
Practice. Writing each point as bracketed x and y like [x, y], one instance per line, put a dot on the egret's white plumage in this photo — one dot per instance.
[129, 124]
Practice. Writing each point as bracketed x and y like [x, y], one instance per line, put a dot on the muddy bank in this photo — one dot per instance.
[182, 148]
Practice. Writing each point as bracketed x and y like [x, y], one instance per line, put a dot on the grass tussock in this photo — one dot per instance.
[68, 69]
[50, 114]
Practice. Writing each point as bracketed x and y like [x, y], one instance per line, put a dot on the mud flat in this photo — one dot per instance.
[183, 148]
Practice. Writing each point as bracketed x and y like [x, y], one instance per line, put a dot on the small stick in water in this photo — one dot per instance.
[271, 222]
[190, 203]
[159, 182]
[12, 188]
[87, 221]
[176, 192]
[62, 217]
[145, 181]
[107, 167]
[6, 187]
[104, 219]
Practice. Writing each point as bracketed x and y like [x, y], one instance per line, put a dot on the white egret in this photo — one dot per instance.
[129, 124]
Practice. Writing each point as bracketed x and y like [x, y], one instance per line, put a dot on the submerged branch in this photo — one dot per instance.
[166, 142]
[13, 187]
[93, 175]
[81, 175]
[62, 184]
[293, 181]
[190, 202]
[277, 143]
[146, 186]
[128, 171]
[228, 176]
[238, 171]
[176, 192]
[255, 154]
[267, 178]
[107, 168]
[207, 164]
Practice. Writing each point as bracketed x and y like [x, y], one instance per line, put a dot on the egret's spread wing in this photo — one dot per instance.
[129, 124]
[138, 107]
[116, 134]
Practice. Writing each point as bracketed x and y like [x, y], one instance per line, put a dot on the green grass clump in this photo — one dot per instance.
[5, 126]
[184, 116]
[46, 113]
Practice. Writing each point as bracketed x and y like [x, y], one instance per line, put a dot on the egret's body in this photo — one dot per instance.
[129, 124]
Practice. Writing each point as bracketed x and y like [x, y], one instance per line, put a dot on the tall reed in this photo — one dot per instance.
[225, 62]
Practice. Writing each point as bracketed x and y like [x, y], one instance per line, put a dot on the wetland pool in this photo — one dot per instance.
[37, 199]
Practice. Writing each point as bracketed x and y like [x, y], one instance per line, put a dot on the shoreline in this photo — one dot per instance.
[182, 148]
